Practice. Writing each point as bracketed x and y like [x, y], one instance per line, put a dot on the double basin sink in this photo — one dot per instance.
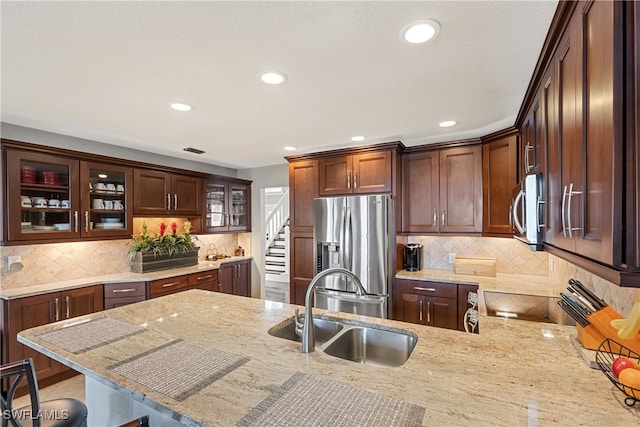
[355, 341]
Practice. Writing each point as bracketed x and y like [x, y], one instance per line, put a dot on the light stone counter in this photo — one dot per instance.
[56, 286]
[508, 375]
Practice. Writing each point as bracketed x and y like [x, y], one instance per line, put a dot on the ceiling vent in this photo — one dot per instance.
[193, 150]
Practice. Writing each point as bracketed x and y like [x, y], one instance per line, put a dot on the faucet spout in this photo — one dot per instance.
[308, 330]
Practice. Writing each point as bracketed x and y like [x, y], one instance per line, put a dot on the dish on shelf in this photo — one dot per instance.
[43, 227]
[65, 226]
[111, 220]
[109, 225]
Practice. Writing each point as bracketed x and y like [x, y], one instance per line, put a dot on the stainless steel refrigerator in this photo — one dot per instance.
[354, 233]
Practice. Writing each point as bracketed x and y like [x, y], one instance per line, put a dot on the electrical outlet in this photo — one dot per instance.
[13, 260]
[452, 258]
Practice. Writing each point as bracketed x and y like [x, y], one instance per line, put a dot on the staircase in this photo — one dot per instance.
[276, 258]
[277, 241]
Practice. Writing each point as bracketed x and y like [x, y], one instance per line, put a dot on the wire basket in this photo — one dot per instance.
[609, 351]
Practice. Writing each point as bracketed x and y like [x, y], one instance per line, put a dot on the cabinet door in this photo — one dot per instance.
[531, 148]
[50, 207]
[408, 308]
[78, 302]
[303, 188]
[106, 192]
[461, 190]
[599, 209]
[499, 178]
[217, 215]
[336, 175]
[226, 274]
[441, 312]
[372, 173]
[239, 207]
[421, 192]
[241, 281]
[152, 192]
[186, 193]
[25, 313]
[302, 266]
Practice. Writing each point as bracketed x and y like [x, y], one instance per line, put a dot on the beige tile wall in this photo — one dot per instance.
[513, 257]
[45, 263]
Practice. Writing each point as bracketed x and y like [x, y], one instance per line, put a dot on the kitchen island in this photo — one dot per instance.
[513, 373]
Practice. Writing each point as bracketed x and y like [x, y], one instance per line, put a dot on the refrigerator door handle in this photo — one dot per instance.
[343, 219]
[348, 240]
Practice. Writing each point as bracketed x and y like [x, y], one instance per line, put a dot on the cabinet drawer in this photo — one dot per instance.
[168, 285]
[125, 290]
[205, 276]
[421, 287]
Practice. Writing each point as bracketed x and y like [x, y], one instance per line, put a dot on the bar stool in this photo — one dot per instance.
[51, 413]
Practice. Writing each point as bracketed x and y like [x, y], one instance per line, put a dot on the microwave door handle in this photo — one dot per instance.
[539, 204]
[516, 221]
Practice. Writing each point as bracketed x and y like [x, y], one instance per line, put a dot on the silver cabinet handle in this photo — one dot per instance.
[443, 218]
[539, 204]
[175, 201]
[355, 180]
[420, 288]
[349, 180]
[167, 285]
[562, 212]
[428, 312]
[66, 302]
[168, 201]
[527, 166]
[209, 276]
[420, 311]
[75, 218]
[569, 197]
[119, 291]
[86, 221]
[435, 218]
[57, 306]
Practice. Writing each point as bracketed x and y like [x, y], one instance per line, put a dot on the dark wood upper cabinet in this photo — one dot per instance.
[356, 174]
[442, 191]
[303, 188]
[160, 193]
[499, 177]
[227, 206]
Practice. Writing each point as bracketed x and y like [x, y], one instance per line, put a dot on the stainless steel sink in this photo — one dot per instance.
[355, 341]
[325, 330]
[373, 346]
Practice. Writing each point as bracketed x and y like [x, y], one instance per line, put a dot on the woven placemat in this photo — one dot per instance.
[179, 368]
[92, 334]
[304, 400]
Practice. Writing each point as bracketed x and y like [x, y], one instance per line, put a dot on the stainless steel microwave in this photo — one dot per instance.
[525, 214]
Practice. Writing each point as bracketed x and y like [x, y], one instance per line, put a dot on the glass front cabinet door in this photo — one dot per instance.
[227, 207]
[106, 192]
[43, 201]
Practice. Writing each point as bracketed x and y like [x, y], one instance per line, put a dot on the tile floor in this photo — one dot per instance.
[72, 388]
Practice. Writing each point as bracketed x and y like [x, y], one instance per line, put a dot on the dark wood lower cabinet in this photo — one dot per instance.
[438, 304]
[24, 313]
[123, 293]
[207, 281]
[235, 278]
[302, 267]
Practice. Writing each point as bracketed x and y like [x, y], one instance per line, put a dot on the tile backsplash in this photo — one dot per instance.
[513, 257]
[46, 263]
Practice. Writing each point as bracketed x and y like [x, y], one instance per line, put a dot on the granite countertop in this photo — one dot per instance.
[53, 286]
[509, 374]
[503, 282]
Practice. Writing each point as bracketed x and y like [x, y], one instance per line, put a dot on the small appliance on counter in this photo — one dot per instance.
[413, 257]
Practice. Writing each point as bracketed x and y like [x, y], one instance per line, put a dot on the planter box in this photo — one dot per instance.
[144, 262]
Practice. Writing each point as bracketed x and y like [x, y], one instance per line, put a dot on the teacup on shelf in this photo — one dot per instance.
[118, 205]
[108, 204]
[99, 186]
[54, 203]
[98, 204]
[65, 204]
[120, 187]
[111, 187]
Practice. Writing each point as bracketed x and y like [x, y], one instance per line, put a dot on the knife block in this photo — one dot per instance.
[600, 328]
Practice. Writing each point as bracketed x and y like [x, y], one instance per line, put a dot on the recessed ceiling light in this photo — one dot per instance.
[181, 107]
[290, 148]
[448, 124]
[273, 77]
[358, 138]
[420, 31]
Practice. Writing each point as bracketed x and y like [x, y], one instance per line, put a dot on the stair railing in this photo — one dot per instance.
[277, 218]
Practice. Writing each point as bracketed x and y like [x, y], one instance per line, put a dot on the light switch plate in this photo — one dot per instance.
[452, 258]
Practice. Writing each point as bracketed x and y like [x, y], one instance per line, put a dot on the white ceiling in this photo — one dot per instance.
[106, 71]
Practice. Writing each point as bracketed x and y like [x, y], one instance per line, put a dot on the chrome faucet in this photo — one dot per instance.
[305, 328]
